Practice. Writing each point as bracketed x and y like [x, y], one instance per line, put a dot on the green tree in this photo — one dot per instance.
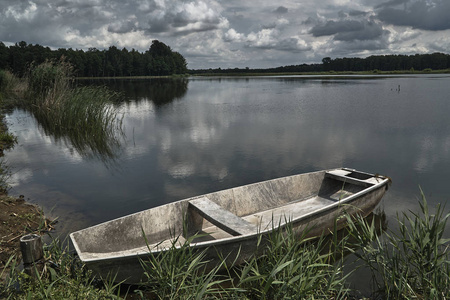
[4, 53]
[326, 61]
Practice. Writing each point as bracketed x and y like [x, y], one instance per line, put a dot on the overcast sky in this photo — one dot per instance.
[234, 33]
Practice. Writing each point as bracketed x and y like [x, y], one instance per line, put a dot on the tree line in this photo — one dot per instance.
[158, 60]
[418, 62]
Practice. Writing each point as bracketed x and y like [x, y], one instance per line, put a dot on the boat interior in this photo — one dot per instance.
[221, 223]
[250, 209]
[217, 222]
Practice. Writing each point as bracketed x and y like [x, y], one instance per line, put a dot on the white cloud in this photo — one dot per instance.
[232, 36]
[265, 38]
[103, 38]
[19, 13]
[398, 36]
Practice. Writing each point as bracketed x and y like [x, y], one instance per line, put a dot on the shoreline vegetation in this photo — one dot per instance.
[409, 261]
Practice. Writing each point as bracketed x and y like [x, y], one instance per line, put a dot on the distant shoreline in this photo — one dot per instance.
[325, 73]
[268, 74]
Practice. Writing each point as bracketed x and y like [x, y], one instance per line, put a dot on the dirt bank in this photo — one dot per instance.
[18, 218]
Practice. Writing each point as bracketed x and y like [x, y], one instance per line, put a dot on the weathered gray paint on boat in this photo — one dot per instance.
[311, 200]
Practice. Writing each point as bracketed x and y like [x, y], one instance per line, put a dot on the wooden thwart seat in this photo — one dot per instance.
[342, 175]
[222, 218]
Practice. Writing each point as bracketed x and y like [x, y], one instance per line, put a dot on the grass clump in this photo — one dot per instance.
[59, 276]
[293, 268]
[49, 83]
[181, 273]
[7, 138]
[411, 264]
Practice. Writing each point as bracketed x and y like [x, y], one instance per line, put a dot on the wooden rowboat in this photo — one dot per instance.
[232, 219]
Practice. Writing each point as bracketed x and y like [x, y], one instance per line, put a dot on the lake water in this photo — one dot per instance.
[193, 136]
[198, 135]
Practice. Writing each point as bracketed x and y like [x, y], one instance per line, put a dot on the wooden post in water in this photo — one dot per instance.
[32, 252]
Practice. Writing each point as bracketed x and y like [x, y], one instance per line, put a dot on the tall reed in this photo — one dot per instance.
[84, 116]
[8, 82]
[413, 263]
[181, 273]
[294, 268]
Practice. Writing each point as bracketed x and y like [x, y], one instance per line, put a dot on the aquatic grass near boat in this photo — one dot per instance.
[295, 268]
[413, 263]
[8, 277]
[289, 268]
[85, 116]
[181, 273]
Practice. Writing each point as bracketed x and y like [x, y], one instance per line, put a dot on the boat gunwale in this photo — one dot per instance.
[211, 243]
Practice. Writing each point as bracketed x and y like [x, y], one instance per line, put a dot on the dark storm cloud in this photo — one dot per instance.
[421, 14]
[292, 45]
[122, 26]
[357, 13]
[334, 27]
[369, 31]
[391, 3]
[281, 10]
[359, 45]
[349, 30]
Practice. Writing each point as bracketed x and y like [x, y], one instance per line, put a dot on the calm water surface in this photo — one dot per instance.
[189, 137]
[193, 136]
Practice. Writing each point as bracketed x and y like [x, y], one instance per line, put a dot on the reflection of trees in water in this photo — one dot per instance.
[159, 90]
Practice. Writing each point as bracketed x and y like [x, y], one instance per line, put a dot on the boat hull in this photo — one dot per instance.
[126, 266]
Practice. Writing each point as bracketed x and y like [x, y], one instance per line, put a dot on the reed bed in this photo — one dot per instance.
[8, 82]
[411, 264]
[84, 116]
[293, 268]
[181, 273]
